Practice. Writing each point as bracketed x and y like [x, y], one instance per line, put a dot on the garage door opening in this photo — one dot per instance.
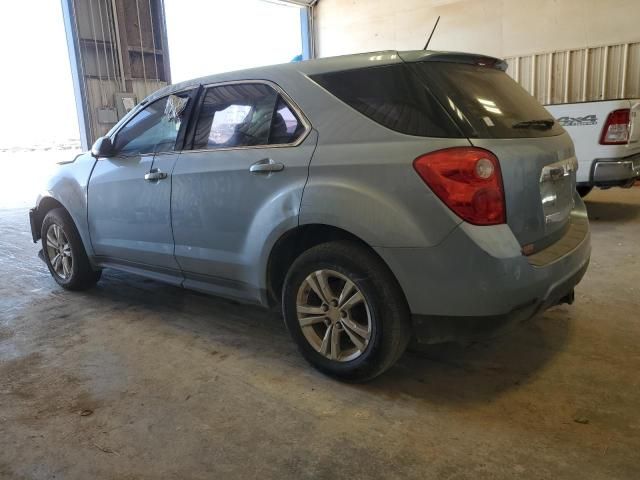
[208, 37]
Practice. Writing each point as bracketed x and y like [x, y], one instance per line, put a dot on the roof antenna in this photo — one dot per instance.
[434, 29]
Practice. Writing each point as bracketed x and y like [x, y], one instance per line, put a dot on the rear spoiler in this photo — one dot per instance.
[454, 57]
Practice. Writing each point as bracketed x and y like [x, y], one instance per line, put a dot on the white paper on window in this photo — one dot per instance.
[174, 107]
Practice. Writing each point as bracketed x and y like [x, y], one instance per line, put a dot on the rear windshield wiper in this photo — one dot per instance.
[544, 124]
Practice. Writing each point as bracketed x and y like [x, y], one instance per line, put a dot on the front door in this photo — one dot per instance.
[130, 192]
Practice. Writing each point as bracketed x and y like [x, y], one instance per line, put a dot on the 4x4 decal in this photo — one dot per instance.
[578, 121]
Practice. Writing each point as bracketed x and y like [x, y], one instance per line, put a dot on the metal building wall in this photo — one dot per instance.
[118, 48]
[596, 73]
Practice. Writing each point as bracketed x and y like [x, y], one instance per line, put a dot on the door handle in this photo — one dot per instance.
[154, 175]
[266, 166]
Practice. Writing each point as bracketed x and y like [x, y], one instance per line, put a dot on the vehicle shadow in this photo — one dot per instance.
[600, 211]
[453, 373]
[437, 374]
[137, 299]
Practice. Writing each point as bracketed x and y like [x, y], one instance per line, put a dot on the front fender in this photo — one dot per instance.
[68, 187]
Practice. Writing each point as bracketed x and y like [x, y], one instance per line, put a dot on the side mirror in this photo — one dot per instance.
[102, 148]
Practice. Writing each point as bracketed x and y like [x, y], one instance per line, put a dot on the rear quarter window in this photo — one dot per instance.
[392, 96]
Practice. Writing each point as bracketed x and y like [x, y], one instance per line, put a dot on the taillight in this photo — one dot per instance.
[467, 180]
[616, 128]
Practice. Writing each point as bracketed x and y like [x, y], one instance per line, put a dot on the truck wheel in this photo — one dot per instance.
[583, 191]
[64, 252]
[345, 311]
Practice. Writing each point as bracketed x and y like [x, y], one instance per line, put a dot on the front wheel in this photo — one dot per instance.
[345, 310]
[64, 252]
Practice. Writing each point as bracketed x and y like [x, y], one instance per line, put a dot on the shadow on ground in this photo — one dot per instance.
[479, 372]
[600, 211]
[437, 374]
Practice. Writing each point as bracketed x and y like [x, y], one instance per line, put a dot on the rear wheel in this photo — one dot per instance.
[345, 311]
[64, 252]
[583, 191]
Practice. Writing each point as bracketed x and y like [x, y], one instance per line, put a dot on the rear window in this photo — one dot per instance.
[392, 96]
[486, 102]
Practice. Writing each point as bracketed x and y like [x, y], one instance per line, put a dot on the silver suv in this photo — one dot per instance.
[375, 198]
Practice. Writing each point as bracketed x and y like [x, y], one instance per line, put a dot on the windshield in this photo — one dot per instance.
[486, 102]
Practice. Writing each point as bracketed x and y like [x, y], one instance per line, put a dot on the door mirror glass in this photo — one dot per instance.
[102, 147]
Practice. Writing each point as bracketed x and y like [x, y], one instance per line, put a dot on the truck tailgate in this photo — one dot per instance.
[585, 121]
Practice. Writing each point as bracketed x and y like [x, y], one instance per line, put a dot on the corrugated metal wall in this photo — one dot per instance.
[597, 73]
[120, 49]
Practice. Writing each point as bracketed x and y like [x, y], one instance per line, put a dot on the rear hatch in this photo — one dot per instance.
[536, 155]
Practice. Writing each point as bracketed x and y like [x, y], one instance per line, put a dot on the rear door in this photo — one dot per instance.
[536, 155]
[242, 180]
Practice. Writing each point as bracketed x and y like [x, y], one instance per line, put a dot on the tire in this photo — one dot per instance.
[372, 330]
[583, 191]
[60, 238]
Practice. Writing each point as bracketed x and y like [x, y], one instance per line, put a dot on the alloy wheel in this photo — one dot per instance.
[59, 252]
[334, 315]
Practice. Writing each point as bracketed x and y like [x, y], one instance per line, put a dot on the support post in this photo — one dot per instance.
[306, 28]
[165, 44]
[75, 60]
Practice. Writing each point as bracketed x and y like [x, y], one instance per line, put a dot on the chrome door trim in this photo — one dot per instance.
[250, 147]
[125, 157]
[290, 102]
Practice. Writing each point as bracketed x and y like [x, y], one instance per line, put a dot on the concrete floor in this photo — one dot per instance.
[135, 379]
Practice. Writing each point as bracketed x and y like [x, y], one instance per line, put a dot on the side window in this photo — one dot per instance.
[286, 126]
[153, 129]
[235, 116]
[250, 114]
[392, 96]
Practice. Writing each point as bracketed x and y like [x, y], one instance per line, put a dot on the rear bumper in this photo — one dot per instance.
[438, 329]
[614, 172]
[477, 281]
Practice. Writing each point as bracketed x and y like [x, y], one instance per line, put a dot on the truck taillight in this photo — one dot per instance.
[467, 180]
[616, 128]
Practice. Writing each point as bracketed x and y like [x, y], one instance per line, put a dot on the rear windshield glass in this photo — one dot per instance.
[393, 96]
[486, 102]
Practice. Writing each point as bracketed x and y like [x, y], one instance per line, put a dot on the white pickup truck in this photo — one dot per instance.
[606, 135]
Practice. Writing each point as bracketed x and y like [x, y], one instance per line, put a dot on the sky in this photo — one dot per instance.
[205, 37]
